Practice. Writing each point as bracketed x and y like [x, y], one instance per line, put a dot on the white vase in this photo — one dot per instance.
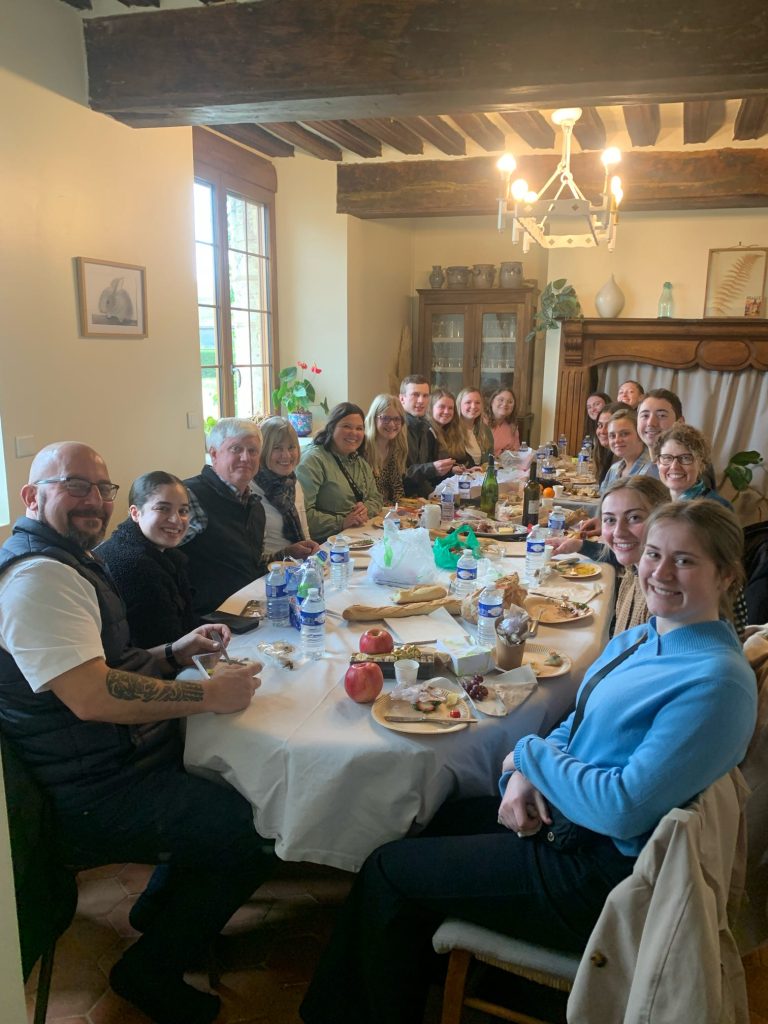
[609, 301]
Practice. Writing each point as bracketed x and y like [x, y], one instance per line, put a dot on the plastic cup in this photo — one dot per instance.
[406, 671]
[559, 490]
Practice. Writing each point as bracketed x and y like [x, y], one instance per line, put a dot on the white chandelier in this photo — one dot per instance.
[564, 218]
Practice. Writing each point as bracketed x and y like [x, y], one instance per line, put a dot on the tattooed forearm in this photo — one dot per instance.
[129, 686]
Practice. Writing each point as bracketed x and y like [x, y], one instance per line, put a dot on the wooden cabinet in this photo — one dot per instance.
[477, 338]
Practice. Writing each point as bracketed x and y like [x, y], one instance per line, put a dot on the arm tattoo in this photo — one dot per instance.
[130, 686]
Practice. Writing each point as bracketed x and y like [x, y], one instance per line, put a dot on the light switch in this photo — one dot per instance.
[25, 446]
[194, 421]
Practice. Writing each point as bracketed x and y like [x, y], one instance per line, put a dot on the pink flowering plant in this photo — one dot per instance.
[297, 393]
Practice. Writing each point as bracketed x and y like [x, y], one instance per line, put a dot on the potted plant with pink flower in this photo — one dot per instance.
[296, 394]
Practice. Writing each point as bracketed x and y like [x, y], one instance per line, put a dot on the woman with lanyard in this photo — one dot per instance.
[280, 491]
[339, 489]
[666, 709]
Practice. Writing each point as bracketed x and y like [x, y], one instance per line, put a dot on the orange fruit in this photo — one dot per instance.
[548, 492]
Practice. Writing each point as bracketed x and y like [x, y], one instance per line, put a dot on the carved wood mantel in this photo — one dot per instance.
[724, 345]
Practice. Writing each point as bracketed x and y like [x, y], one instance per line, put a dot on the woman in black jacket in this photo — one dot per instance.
[150, 574]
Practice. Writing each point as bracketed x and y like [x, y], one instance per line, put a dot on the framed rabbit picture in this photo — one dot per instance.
[113, 299]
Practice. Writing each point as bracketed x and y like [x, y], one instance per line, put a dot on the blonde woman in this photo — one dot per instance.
[477, 436]
[387, 446]
[445, 424]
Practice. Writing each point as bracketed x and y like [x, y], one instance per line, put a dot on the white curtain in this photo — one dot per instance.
[731, 409]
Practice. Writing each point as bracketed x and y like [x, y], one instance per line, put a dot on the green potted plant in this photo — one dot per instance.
[558, 302]
[296, 394]
[748, 501]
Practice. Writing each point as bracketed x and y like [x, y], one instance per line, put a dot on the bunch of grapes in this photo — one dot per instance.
[474, 687]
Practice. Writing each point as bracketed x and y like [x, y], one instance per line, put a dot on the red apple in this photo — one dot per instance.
[377, 641]
[363, 682]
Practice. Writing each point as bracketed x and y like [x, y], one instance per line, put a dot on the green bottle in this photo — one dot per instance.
[489, 492]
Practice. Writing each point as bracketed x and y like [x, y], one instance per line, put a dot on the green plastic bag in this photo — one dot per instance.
[448, 550]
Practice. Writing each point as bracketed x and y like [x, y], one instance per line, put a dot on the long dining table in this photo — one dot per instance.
[330, 784]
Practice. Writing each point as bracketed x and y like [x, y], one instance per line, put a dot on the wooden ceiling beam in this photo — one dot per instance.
[590, 130]
[439, 133]
[304, 139]
[140, 3]
[752, 118]
[393, 133]
[691, 180]
[531, 126]
[254, 137]
[482, 130]
[643, 123]
[297, 60]
[348, 136]
[81, 5]
[702, 119]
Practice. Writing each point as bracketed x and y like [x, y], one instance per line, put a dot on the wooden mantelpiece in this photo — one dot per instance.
[723, 345]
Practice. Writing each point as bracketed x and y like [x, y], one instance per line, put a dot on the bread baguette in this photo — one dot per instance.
[422, 593]
[370, 613]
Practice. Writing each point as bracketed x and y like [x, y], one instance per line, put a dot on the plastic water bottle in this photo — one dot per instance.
[584, 468]
[340, 563]
[490, 608]
[392, 519]
[292, 573]
[535, 555]
[465, 487]
[562, 447]
[556, 522]
[466, 574]
[277, 599]
[447, 506]
[313, 625]
[309, 577]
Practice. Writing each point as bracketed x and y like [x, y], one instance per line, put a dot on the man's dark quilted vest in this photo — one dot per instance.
[228, 553]
[80, 763]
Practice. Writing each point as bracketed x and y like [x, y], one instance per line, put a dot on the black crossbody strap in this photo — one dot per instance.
[355, 489]
[596, 678]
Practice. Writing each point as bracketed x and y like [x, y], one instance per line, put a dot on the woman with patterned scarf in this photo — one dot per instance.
[280, 491]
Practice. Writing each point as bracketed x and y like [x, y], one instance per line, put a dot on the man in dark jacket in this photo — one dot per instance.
[95, 722]
[423, 471]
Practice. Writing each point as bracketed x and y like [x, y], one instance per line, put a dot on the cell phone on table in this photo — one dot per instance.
[237, 623]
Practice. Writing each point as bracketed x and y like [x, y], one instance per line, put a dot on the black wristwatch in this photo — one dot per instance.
[171, 659]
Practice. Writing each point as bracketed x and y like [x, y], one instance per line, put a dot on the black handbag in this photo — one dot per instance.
[564, 834]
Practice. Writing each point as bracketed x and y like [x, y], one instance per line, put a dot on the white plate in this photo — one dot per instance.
[535, 655]
[385, 705]
[581, 571]
[551, 612]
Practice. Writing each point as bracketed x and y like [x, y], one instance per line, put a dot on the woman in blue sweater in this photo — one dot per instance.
[672, 712]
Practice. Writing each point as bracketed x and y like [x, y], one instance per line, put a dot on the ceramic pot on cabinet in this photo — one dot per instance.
[437, 277]
[458, 277]
[483, 275]
[511, 275]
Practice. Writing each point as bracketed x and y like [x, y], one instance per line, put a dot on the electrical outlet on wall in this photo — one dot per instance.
[25, 446]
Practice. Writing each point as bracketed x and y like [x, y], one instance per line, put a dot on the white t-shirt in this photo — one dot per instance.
[274, 537]
[49, 619]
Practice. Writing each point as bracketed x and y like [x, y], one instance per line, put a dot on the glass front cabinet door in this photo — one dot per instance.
[477, 338]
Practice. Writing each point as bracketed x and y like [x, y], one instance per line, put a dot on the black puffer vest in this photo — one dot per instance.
[80, 763]
[228, 554]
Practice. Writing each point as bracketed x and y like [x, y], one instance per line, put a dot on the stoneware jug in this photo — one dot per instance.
[437, 277]
[483, 275]
[458, 277]
[511, 275]
[609, 301]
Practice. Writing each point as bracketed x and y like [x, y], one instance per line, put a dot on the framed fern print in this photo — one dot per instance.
[736, 282]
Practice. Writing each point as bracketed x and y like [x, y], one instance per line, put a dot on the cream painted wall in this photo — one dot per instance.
[312, 272]
[379, 291]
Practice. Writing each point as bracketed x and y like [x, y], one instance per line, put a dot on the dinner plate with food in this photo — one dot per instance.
[575, 570]
[546, 662]
[552, 610]
[423, 710]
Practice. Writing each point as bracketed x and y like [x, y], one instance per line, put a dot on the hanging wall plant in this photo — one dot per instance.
[558, 301]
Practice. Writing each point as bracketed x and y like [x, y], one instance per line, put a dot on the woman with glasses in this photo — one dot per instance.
[387, 446]
[683, 454]
[141, 555]
[280, 492]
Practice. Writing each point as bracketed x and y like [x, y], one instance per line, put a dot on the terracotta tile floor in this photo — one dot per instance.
[267, 954]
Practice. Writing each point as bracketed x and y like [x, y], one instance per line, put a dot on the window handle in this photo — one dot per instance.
[238, 377]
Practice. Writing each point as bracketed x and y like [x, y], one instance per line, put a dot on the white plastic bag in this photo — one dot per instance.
[402, 558]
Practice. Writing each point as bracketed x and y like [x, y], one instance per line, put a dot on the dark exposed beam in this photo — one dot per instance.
[480, 128]
[393, 133]
[643, 122]
[752, 118]
[255, 137]
[306, 140]
[437, 131]
[531, 126]
[140, 3]
[691, 180]
[590, 130]
[701, 119]
[348, 136]
[298, 60]
[81, 5]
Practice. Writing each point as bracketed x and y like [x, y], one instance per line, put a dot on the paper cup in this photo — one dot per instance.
[430, 517]
[559, 490]
[406, 670]
[509, 655]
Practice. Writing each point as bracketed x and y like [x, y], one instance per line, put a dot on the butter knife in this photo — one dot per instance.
[441, 723]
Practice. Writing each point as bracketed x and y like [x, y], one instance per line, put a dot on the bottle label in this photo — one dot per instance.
[556, 521]
[275, 590]
[339, 557]
[533, 508]
[534, 546]
[489, 611]
[312, 618]
[466, 574]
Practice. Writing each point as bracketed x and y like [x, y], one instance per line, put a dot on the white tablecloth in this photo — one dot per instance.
[326, 781]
